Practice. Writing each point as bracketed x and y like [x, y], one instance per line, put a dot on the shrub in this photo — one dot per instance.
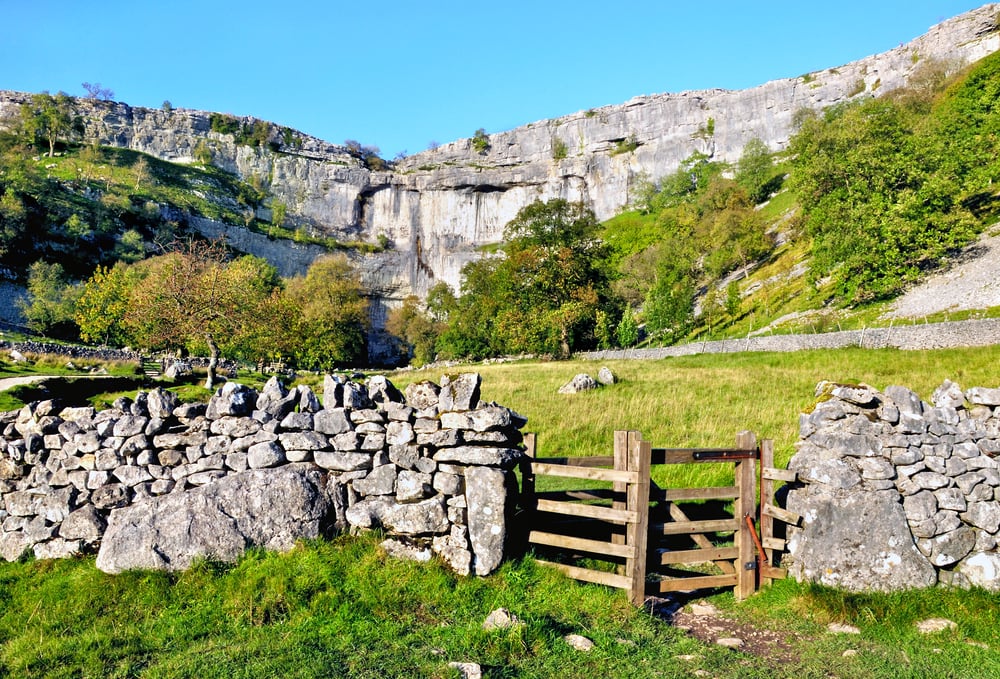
[480, 141]
[627, 145]
[559, 149]
[223, 123]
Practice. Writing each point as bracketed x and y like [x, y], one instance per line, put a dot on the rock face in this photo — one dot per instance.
[438, 207]
[896, 493]
[156, 484]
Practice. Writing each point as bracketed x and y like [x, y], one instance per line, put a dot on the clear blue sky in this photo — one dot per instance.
[400, 74]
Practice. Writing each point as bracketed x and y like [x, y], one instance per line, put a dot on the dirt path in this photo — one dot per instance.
[8, 382]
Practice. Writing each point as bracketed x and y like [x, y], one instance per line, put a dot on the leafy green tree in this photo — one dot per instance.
[481, 141]
[733, 300]
[755, 170]
[331, 312]
[103, 303]
[47, 117]
[416, 328]
[51, 301]
[879, 187]
[193, 298]
[542, 294]
[669, 306]
[627, 332]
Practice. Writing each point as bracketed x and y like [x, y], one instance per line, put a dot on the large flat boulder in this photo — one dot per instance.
[269, 508]
[859, 542]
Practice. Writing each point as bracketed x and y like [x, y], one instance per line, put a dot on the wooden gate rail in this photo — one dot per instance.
[633, 539]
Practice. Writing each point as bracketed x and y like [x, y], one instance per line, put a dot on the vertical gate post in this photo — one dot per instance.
[528, 500]
[746, 504]
[620, 489]
[637, 500]
[766, 497]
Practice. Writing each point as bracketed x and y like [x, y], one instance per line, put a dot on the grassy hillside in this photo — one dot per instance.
[871, 196]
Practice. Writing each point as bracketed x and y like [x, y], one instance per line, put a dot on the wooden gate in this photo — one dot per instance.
[654, 540]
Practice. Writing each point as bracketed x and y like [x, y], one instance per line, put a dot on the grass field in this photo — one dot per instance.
[341, 608]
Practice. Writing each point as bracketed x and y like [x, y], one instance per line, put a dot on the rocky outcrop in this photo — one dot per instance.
[156, 484]
[896, 493]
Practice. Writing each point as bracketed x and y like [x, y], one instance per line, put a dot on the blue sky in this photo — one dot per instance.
[399, 75]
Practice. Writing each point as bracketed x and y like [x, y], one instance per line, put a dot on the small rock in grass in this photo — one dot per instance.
[501, 618]
[729, 642]
[849, 653]
[702, 608]
[468, 670]
[841, 628]
[932, 625]
[580, 643]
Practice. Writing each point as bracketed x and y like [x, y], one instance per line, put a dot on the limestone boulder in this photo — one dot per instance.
[579, 383]
[859, 542]
[269, 508]
[486, 494]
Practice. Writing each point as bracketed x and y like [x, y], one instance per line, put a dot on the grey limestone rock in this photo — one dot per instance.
[232, 399]
[480, 455]
[332, 421]
[983, 396]
[267, 508]
[342, 461]
[579, 383]
[380, 481]
[266, 454]
[422, 395]
[606, 377]
[382, 392]
[855, 541]
[413, 486]
[982, 569]
[485, 491]
[454, 549]
[459, 392]
[948, 395]
[948, 548]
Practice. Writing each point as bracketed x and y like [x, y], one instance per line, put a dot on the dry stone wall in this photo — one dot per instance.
[152, 483]
[896, 493]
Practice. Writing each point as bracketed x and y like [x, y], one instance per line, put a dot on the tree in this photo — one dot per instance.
[103, 303]
[332, 314]
[193, 298]
[279, 212]
[627, 332]
[481, 141]
[733, 300]
[755, 170]
[542, 294]
[95, 91]
[48, 118]
[51, 300]
[416, 329]
[142, 171]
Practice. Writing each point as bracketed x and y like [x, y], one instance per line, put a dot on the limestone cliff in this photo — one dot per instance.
[440, 206]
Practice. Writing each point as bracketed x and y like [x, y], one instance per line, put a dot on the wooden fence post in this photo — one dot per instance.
[528, 499]
[766, 498]
[620, 488]
[637, 500]
[746, 504]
